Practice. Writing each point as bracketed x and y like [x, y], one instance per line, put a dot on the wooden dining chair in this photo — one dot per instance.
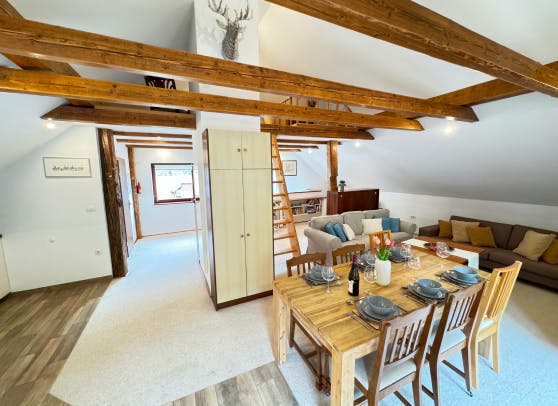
[382, 235]
[492, 307]
[298, 266]
[345, 254]
[398, 360]
[453, 334]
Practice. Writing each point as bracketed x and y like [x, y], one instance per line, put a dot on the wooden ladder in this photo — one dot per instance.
[283, 228]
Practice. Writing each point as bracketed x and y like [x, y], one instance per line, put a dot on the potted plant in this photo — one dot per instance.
[342, 185]
[383, 265]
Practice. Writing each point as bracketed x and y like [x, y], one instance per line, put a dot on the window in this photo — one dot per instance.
[174, 183]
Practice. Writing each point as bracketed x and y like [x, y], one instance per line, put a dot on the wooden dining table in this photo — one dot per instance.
[331, 317]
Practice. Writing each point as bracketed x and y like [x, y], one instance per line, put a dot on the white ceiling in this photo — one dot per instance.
[505, 156]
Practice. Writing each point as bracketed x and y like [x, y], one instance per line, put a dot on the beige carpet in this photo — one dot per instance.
[155, 336]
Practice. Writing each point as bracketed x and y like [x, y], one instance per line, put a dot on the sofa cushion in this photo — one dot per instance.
[371, 226]
[459, 230]
[394, 224]
[349, 233]
[386, 223]
[534, 245]
[481, 236]
[359, 239]
[401, 236]
[518, 233]
[338, 227]
[354, 219]
[370, 214]
[445, 229]
[330, 229]
[506, 257]
[319, 222]
[501, 231]
[550, 256]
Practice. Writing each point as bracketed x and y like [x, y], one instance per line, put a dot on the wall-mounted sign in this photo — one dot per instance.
[289, 168]
[67, 167]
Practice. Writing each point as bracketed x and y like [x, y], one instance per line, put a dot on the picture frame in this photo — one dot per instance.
[289, 167]
[60, 167]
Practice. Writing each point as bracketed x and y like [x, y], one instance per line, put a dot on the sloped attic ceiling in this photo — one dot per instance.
[509, 155]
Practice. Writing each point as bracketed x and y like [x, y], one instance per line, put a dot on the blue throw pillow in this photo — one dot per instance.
[338, 227]
[329, 229]
[395, 224]
[386, 223]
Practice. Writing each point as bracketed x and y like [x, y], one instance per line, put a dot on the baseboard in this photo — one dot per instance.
[243, 299]
[67, 284]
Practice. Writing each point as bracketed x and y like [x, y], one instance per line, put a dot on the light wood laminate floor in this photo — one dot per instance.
[261, 386]
[38, 330]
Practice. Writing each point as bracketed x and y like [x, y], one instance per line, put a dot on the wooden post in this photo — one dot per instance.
[332, 165]
[116, 225]
[135, 197]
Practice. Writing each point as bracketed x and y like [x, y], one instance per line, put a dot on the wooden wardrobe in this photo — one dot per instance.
[238, 188]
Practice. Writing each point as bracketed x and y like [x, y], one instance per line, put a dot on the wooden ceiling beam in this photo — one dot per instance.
[155, 147]
[152, 135]
[29, 38]
[156, 142]
[298, 146]
[48, 84]
[310, 142]
[318, 133]
[149, 118]
[485, 92]
[410, 25]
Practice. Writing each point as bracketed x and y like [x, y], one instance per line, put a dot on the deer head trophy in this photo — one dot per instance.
[232, 27]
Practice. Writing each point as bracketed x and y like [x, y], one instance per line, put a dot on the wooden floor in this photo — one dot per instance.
[38, 330]
[261, 386]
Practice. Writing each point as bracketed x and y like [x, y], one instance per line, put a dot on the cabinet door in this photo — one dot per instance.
[259, 230]
[256, 150]
[228, 234]
[4, 283]
[225, 149]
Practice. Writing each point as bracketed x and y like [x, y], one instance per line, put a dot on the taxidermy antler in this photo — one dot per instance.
[232, 27]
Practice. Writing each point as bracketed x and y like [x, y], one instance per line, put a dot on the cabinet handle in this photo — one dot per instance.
[238, 150]
[245, 149]
[248, 235]
[241, 235]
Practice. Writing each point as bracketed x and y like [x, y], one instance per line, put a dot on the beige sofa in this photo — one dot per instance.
[320, 241]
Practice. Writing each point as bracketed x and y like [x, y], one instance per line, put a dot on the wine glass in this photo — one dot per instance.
[414, 264]
[442, 251]
[328, 275]
[406, 252]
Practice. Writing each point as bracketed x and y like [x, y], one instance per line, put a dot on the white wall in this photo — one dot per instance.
[428, 210]
[161, 218]
[311, 170]
[53, 227]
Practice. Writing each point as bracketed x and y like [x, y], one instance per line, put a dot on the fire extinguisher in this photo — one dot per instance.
[138, 188]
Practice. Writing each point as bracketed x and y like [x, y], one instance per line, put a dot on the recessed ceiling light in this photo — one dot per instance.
[50, 125]
[309, 150]
[450, 118]
[357, 143]
[449, 129]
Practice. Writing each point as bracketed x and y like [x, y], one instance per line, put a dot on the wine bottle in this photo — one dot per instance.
[354, 278]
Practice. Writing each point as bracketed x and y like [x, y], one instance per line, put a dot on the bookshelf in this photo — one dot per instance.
[305, 205]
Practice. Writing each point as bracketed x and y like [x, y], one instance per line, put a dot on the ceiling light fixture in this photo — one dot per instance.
[357, 143]
[450, 118]
[50, 125]
[449, 129]
[309, 150]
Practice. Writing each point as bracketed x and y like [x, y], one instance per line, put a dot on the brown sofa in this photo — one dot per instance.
[507, 238]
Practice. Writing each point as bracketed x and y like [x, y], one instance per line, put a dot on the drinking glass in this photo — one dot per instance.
[442, 251]
[328, 275]
[414, 264]
[406, 252]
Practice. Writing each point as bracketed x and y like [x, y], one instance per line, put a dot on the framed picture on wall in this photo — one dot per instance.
[67, 167]
[289, 168]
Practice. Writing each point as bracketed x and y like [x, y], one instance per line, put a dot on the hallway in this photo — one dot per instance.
[151, 339]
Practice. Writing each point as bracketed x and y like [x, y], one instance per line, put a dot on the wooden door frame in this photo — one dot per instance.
[135, 195]
[113, 202]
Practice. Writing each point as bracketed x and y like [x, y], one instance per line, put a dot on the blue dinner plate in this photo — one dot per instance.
[453, 277]
[365, 310]
[421, 293]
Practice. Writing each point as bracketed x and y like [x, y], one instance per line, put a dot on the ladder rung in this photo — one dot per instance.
[283, 236]
[279, 194]
[278, 208]
[285, 251]
[278, 181]
[275, 156]
[279, 222]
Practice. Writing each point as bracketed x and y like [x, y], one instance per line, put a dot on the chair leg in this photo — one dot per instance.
[496, 352]
[320, 377]
[417, 392]
[291, 332]
[474, 360]
[467, 368]
[435, 382]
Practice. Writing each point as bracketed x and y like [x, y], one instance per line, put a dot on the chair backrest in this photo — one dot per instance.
[460, 312]
[401, 339]
[382, 235]
[498, 292]
[345, 254]
[304, 263]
